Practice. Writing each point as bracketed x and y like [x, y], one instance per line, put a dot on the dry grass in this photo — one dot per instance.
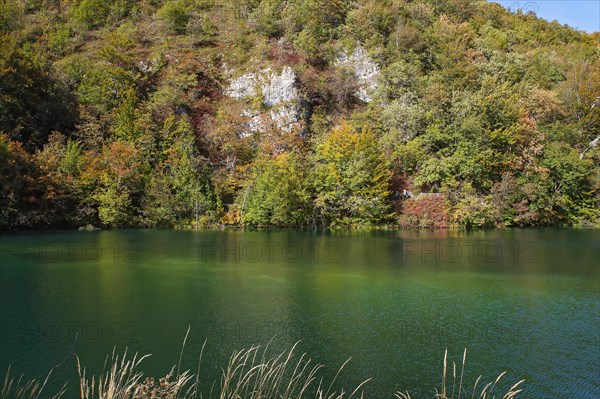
[124, 381]
[487, 392]
[249, 374]
[19, 389]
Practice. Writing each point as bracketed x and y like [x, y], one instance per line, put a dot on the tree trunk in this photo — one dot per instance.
[196, 210]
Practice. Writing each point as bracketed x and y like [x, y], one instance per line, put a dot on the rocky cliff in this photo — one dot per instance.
[278, 96]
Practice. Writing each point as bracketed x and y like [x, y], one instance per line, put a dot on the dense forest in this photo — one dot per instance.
[295, 113]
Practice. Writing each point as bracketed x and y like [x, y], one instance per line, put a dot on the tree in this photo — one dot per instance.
[105, 87]
[118, 184]
[403, 119]
[351, 179]
[426, 211]
[267, 17]
[192, 183]
[16, 173]
[11, 15]
[581, 94]
[126, 114]
[35, 192]
[312, 23]
[569, 183]
[278, 194]
[117, 112]
[95, 13]
[180, 191]
[32, 102]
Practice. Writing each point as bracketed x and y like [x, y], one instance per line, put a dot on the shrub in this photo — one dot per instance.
[425, 211]
[175, 14]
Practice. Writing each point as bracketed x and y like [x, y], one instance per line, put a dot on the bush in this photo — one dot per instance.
[427, 211]
[91, 13]
[175, 14]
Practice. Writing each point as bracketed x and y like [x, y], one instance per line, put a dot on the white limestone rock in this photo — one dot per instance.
[243, 87]
[286, 117]
[280, 88]
[365, 69]
[279, 94]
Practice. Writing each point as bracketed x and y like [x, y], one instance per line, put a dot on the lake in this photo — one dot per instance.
[524, 301]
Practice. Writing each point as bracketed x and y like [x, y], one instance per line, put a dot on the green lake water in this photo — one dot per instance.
[525, 301]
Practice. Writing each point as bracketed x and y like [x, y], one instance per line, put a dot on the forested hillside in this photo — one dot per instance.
[281, 113]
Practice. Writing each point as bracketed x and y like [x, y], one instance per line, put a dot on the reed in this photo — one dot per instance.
[18, 388]
[249, 374]
[458, 390]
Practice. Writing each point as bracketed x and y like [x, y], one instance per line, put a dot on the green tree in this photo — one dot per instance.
[180, 191]
[11, 15]
[126, 114]
[267, 17]
[72, 162]
[105, 87]
[192, 184]
[569, 183]
[33, 102]
[159, 209]
[351, 180]
[118, 186]
[277, 195]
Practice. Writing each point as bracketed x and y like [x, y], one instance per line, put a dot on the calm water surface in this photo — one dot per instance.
[525, 301]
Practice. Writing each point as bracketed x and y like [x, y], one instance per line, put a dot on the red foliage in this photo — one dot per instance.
[425, 211]
[283, 54]
[122, 162]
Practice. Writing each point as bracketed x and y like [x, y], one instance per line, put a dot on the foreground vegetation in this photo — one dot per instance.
[113, 113]
[250, 374]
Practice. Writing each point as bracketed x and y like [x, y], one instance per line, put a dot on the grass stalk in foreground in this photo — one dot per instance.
[19, 389]
[249, 374]
[486, 393]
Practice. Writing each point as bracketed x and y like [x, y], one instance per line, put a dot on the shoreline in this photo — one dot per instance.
[381, 228]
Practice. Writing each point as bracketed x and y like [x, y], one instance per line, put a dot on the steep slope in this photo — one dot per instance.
[273, 113]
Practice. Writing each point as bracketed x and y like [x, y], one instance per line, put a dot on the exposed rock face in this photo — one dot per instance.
[243, 87]
[255, 123]
[278, 93]
[280, 88]
[593, 144]
[366, 70]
